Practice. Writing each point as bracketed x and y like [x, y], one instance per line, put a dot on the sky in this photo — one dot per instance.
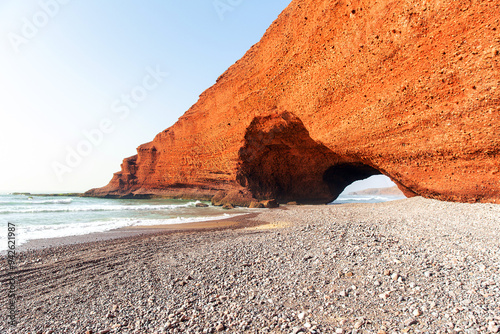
[84, 82]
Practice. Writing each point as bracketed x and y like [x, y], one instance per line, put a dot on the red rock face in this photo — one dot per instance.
[337, 91]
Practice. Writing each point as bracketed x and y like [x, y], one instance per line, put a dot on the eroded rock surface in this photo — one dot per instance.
[337, 91]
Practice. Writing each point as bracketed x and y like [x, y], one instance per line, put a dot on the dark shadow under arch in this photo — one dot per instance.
[280, 160]
[339, 176]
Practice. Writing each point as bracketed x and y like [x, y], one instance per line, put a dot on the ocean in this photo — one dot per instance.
[343, 199]
[42, 217]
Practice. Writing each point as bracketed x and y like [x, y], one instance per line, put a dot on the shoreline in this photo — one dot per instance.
[240, 221]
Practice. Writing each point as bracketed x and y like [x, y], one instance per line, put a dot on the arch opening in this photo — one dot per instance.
[375, 189]
[280, 160]
[339, 176]
[371, 183]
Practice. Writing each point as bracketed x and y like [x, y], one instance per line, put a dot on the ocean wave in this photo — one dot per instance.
[31, 232]
[366, 199]
[96, 208]
[52, 201]
[363, 198]
[38, 202]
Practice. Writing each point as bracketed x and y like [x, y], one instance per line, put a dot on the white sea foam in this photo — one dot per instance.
[36, 202]
[342, 199]
[31, 232]
[52, 201]
[93, 207]
[364, 198]
[51, 217]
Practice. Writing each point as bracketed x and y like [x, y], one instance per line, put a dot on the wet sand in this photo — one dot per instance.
[241, 221]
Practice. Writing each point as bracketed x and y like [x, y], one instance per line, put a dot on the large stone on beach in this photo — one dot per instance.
[228, 206]
[256, 205]
[270, 204]
[234, 197]
[337, 91]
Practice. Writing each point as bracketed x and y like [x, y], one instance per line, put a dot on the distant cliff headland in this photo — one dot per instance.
[336, 92]
[390, 191]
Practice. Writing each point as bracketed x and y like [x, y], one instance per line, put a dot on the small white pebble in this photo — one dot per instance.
[358, 324]
[384, 295]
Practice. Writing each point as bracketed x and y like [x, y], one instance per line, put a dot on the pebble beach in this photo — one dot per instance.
[409, 266]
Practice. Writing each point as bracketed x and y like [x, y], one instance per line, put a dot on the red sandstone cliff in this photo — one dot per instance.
[391, 191]
[334, 92]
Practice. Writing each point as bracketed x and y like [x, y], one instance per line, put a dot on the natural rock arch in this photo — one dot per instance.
[280, 160]
[333, 89]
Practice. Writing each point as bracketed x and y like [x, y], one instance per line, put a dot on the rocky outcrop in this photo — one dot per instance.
[391, 191]
[334, 92]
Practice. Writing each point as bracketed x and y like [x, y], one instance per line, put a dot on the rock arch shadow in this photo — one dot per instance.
[339, 176]
[280, 160]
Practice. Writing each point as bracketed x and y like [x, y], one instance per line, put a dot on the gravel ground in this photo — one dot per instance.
[410, 266]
